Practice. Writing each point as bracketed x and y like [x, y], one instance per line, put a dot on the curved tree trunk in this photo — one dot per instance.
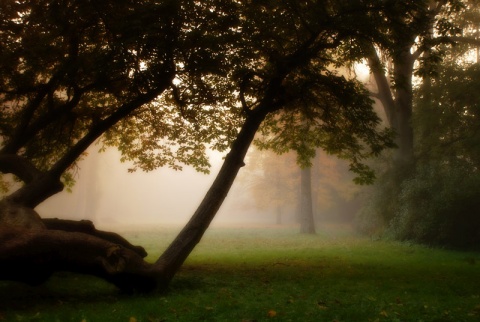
[181, 247]
[33, 255]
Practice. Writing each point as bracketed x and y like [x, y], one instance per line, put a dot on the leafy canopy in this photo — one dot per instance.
[165, 80]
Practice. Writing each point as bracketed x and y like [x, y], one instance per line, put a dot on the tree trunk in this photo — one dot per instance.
[174, 256]
[278, 215]
[87, 227]
[99, 254]
[32, 249]
[307, 222]
[33, 255]
[78, 247]
[403, 74]
[398, 105]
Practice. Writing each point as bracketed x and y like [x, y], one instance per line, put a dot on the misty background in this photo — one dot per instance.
[106, 193]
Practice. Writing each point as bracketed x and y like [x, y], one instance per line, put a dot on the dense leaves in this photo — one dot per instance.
[71, 69]
[436, 203]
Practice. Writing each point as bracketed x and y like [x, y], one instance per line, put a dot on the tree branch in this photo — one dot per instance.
[243, 84]
[384, 92]
[19, 166]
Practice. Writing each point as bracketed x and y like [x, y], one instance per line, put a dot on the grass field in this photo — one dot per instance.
[271, 274]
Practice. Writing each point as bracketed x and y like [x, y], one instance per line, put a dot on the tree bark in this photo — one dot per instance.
[397, 102]
[87, 227]
[51, 250]
[14, 215]
[403, 73]
[307, 222]
[32, 256]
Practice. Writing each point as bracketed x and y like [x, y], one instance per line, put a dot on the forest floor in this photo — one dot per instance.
[271, 274]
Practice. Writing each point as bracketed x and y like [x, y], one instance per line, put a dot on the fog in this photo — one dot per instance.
[107, 194]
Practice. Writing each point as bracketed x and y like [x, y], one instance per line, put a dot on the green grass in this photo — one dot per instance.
[271, 274]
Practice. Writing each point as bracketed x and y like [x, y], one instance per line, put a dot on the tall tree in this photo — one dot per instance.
[232, 68]
[410, 35]
[442, 121]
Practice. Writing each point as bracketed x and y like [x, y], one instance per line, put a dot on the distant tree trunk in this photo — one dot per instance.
[90, 192]
[279, 215]
[307, 222]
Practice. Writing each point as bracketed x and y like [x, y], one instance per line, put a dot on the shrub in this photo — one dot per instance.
[440, 205]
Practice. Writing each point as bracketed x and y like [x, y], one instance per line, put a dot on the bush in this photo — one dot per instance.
[380, 203]
[440, 205]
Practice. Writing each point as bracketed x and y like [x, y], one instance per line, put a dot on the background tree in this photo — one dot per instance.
[307, 219]
[335, 194]
[435, 205]
[446, 124]
[272, 182]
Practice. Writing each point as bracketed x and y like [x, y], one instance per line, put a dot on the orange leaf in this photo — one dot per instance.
[271, 313]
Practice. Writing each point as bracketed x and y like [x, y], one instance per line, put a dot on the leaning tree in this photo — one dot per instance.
[163, 81]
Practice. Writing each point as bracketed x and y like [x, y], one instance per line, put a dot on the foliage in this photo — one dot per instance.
[71, 70]
[447, 116]
[444, 106]
[437, 202]
[244, 274]
[165, 80]
[336, 116]
[71, 64]
[294, 48]
[440, 206]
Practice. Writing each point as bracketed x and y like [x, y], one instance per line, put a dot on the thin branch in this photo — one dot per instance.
[243, 84]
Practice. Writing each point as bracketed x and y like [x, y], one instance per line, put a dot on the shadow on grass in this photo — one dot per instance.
[258, 276]
[60, 289]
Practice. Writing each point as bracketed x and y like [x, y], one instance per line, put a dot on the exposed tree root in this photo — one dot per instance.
[87, 227]
[32, 256]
